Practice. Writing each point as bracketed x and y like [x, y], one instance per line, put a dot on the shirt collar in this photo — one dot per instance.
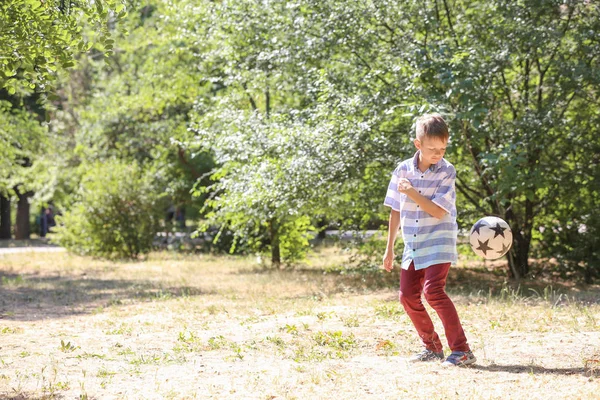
[432, 167]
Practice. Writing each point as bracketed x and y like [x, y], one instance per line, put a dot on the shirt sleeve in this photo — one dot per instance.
[392, 197]
[445, 195]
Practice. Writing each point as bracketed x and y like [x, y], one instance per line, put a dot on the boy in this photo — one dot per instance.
[422, 196]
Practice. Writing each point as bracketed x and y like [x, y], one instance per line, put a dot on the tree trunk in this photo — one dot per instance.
[275, 250]
[322, 225]
[518, 256]
[22, 227]
[5, 222]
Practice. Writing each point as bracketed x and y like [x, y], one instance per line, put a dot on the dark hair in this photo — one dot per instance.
[433, 126]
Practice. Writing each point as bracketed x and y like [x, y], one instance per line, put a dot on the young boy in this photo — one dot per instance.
[422, 196]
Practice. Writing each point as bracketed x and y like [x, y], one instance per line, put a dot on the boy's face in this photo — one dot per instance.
[432, 149]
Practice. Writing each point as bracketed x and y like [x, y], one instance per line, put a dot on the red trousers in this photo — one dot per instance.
[431, 281]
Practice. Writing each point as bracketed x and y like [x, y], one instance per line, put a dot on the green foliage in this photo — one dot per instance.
[294, 238]
[22, 141]
[135, 107]
[116, 215]
[302, 110]
[39, 38]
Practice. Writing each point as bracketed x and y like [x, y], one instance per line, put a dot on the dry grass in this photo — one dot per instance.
[179, 327]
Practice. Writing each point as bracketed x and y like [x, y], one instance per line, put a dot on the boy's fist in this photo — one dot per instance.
[388, 261]
[404, 185]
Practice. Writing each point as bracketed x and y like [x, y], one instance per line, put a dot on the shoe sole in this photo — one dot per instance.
[465, 363]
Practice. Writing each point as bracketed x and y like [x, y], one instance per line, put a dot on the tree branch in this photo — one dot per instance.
[475, 203]
[450, 22]
[252, 102]
[507, 94]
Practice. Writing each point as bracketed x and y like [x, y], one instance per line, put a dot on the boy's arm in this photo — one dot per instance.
[426, 205]
[394, 224]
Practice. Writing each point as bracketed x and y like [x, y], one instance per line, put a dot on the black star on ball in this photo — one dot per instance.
[498, 230]
[483, 246]
[480, 224]
[505, 248]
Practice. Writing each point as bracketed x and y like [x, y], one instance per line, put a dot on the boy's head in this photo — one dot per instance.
[432, 138]
[432, 126]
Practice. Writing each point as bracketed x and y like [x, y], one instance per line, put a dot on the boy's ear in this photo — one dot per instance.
[417, 143]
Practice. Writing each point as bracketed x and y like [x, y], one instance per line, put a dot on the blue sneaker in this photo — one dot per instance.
[459, 359]
[427, 355]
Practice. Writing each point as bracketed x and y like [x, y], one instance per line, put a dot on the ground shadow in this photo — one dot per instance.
[27, 243]
[33, 297]
[535, 369]
[30, 396]
[462, 281]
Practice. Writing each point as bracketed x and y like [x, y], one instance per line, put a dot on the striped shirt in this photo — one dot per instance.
[427, 240]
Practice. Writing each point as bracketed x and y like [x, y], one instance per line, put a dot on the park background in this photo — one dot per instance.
[195, 155]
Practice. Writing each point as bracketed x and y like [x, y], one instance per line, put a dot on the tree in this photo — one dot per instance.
[27, 140]
[515, 88]
[135, 109]
[285, 134]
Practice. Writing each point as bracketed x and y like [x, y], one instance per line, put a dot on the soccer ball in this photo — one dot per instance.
[490, 238]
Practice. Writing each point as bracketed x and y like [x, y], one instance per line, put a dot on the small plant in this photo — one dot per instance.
[291, 329]
[16, 281]
[277, 341]
[212, 309]
[217, 342]
[322, 316]
[7, 330]
[336, 340]
[104, 373]
[67, 347]
[387, 347]
[388, 310]
[91, 355]
[351, 321]
[188, 342]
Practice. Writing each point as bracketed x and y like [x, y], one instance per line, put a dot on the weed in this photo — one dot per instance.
[188, 342]
[291, 329]
[104, 373]
[351, 321]
[277, 341]
[386, 347]
[212, 309]
[91, 355]
[123, 329]
[218, 342]
[322, 316]
[389, 310]
[16, 281]
[336, 340]
[67, 347]
[7, 330]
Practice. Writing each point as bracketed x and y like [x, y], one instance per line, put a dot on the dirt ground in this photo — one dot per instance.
[206, 327]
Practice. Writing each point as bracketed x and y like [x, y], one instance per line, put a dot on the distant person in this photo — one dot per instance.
[422, 197]
[43, 222]
[46, 221]
[50, 216]
[180, 217]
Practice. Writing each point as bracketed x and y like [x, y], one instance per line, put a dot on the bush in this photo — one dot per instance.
[575, 245]
[116, 215]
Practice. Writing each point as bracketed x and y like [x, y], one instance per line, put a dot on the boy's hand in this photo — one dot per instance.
[388, 261]
[404, 185]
